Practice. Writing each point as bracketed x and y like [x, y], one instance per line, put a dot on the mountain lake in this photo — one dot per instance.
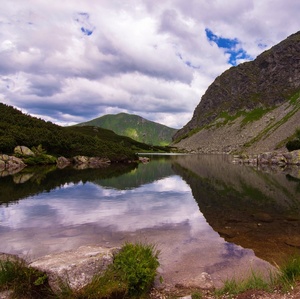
[204, 213]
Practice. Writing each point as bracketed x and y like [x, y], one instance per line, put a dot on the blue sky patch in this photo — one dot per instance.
[83, 19]
[230, 46]
[86, 31]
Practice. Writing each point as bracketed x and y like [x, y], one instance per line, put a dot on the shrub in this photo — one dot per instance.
[41, 159]
[137, 264]
[293, 145]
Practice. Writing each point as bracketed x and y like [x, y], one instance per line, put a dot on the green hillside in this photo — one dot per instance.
[17, 128]
[135, 127]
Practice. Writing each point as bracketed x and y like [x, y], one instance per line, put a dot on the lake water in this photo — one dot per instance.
[204, 213]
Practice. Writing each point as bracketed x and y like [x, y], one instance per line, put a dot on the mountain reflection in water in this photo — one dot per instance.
[249, 207]
[181, 203]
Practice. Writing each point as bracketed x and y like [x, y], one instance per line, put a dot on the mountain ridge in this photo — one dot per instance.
[135, 127]
[246, 96]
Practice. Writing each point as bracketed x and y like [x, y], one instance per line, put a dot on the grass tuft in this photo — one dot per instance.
[289, 272]
[255, 281]
[136, 264]
[23, 281]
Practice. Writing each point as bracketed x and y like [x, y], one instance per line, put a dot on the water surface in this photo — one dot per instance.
[202, 212]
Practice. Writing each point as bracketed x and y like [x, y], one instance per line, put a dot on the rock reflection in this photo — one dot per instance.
[249, 207]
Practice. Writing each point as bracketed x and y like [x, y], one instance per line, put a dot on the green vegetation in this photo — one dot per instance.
[273, 126]
[135, 127]
[284, 279]
[131, 275]
[254, 115]
[256, 281]
[136, 264]
[289, 273]
[197, 295]
[40, 157]
[23, 281]
[17, 128]
[295, 143]
[294, 98]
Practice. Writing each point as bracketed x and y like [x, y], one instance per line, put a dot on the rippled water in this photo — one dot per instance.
[202, 212]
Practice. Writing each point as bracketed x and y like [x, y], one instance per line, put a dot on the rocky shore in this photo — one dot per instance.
[12, 164]
[78, 266]
[269, 158]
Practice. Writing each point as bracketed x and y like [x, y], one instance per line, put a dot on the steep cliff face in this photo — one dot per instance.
[262, 85]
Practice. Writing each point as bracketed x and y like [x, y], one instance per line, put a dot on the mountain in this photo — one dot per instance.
[17, 128]
[135, 127]
[251, 107]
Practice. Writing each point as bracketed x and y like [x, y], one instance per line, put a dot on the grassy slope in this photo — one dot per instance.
[134, 127]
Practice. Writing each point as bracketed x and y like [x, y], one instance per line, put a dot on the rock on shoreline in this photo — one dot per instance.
[269, 158]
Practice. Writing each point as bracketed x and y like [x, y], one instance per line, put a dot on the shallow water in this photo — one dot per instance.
[202, 212]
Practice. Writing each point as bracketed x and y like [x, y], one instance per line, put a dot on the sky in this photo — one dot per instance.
[72, 61]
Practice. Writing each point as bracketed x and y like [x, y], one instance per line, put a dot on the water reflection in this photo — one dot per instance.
[251, 208]
[52, 210]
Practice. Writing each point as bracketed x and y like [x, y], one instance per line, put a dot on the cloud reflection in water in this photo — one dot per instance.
[166, 201]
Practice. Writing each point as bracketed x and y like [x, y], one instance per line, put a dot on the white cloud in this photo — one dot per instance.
[72, 62]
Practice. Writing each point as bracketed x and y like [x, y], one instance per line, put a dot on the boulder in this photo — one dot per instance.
[96, 161]
[62, 162]
[77, 267]
[295, 159]
[22, 150]
[269, 158]
[82, 162]
[144, 160]
[10, 165]
[2, 165]
[202, 281]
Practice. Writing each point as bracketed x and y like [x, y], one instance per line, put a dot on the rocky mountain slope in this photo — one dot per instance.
[135, 127]
[252, 107]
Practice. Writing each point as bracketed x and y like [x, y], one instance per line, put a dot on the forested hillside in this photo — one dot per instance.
[17, 128]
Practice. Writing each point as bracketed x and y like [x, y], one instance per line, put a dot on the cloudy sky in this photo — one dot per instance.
[72, 61]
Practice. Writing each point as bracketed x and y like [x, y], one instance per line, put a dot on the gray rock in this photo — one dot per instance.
[62, 162]
[10, 165]
[82, 162]
[23, 151]
[295, 160]
[77, 267]
[202, 281]
[2, 165]
[270, 158]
